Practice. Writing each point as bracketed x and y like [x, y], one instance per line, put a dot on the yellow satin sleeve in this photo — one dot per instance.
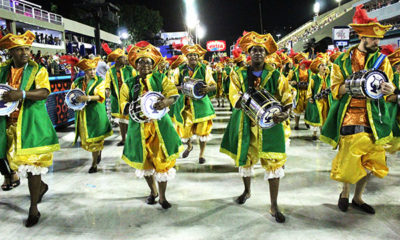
[134, 72]
[209, 77]
[100, 91]
[175, 76]
[290, 75]
[337, 80]
[284, 93]
[108, 79]
[234, 88]
[169, 88]
[124, 96]
[42, 79]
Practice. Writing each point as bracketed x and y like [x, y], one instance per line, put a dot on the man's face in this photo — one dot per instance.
[322, 68]
[144, 65]
[397, 67]
[193, 58]
[20, 55]
[91, 73]
[370, 44]
[122, 60]
[257, 54]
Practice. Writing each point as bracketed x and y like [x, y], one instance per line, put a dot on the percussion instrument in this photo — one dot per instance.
[366, 84]
[192, 87]
[322, 94]
[6, 108]
[302, 85]
[260, 106]
[142, 109]
[71, 99]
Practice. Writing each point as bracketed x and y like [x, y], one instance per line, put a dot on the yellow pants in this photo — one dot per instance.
[201, 129]
[357, 154]
[38, 160]
[156, 158]
[269, 164]
[302, 103]
[88, 146]
[324, 109]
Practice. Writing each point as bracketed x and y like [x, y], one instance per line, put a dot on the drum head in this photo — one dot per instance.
[373, 80]
[70, 99]
[147, 102]
[6, 108]
[266, 120]
[196, 90]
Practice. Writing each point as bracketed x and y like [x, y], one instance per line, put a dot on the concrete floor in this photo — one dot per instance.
[110, 204]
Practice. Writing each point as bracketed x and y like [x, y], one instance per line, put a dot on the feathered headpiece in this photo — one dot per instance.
[72, 61]
[367, 27]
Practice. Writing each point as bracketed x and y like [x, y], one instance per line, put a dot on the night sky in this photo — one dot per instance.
[226, 19]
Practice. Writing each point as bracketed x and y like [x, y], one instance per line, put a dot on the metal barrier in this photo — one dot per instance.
[31, 11]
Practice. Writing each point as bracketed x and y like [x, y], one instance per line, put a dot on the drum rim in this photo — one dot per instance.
[272, 123]
[75, 108]
[14, 105]
[385, 78]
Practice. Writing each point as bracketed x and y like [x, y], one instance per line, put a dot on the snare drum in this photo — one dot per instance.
[71, 99]
[303, 85]
[323, 94]
[261, 106]
[366, 84]
[191, 88]
[6, 108]
[142, 110]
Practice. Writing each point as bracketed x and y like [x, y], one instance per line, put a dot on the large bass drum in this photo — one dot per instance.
[71, 99]
[142, 109]
[366, 84]
[261, 106]
[192, 87]
[6, 108]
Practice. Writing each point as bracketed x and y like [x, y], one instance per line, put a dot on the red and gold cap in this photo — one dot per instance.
[144, 49]
[86, 64]
[252, 39]
[197, 49]
[11, 41]
[367, 27]
[315, 64]
[392, 54]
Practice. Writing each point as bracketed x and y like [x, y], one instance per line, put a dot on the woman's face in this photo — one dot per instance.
[144, 65]
[322, 68]
[90, 73]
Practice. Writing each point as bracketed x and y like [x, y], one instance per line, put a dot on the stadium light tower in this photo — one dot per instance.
[339, 1]
[317, 8]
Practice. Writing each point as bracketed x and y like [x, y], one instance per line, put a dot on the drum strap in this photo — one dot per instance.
[379, 61]
[136, 90]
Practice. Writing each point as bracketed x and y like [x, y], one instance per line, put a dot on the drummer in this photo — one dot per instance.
[359, 127]
[194, 116]
[27, 136]
[115, 77]
[219, 76]
[317, 109]
[91, 123]
[244, 141]
[152, 147]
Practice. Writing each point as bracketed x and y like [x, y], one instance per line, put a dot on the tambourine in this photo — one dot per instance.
[71, 99]
[6, 108]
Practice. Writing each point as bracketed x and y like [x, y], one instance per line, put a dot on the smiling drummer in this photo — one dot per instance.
[359, 126]
[152, 147]
[194, 116]
[244, 140]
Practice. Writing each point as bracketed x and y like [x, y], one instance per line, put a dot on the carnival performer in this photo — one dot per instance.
[91, 123]
[359, 126]
[194, 116]
[229, 65]
[318, 105]
[151, 147]
[394, 58]
[302, 76]
[219, 76]
[28, 138]
[244, 141]
[115, 77]
[174, 63]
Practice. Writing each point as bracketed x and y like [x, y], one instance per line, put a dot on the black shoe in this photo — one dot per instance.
[151, 200]
[343, 203]
[314, 138]
[202, 160]
[187, 151]
[307, 126]
[279, 217]
[363, 207]
[7, 187]
[32, 220]
[242, 198]
[93, 170]
[99, 159]
[165, 204]
[122, 143]
[46, 188]
[296, 128]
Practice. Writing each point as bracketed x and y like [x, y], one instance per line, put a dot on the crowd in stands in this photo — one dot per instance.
[377, 4]
[47, 39]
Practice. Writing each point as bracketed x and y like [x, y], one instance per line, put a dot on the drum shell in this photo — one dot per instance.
[189, 87]
[70, 99]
